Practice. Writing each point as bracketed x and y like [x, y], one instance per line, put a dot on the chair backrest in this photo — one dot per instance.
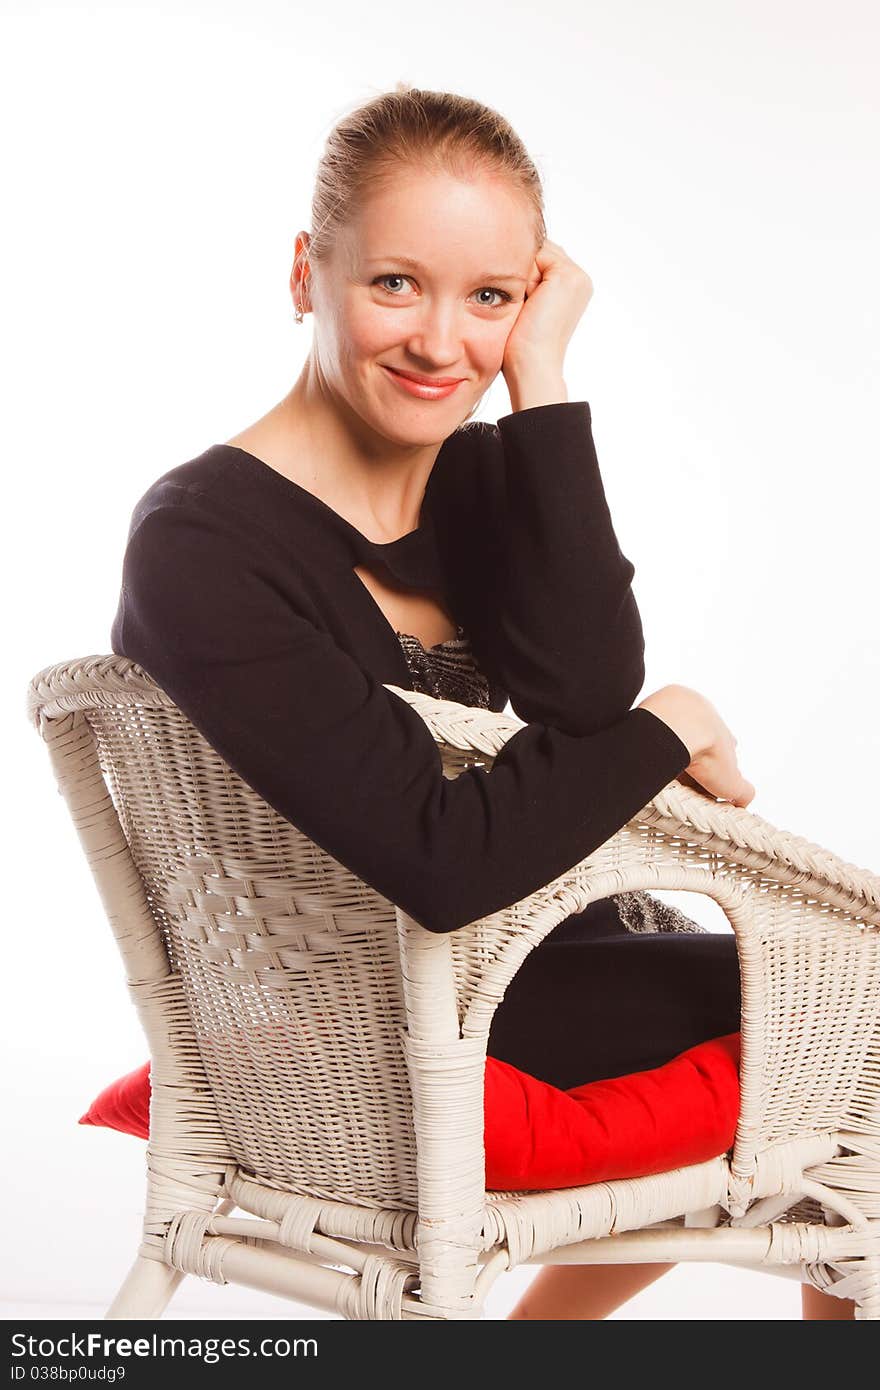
[289, 964]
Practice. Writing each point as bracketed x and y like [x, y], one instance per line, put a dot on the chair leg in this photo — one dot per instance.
[146, 1290]
[867, 1296]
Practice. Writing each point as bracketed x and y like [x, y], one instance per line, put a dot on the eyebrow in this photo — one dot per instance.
[416, 265]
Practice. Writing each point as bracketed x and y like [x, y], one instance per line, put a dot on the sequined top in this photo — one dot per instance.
[449, 671]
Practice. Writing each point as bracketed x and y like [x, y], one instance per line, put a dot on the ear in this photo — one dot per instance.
[300, 273]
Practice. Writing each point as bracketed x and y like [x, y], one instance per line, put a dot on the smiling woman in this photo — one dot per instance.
[434, 327]
[367, 531]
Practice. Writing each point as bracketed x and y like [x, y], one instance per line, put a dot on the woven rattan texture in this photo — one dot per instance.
[309, 1040]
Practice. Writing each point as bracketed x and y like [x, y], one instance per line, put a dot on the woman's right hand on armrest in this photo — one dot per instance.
[709, 741]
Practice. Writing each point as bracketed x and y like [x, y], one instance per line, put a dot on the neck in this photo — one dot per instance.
[377, 483]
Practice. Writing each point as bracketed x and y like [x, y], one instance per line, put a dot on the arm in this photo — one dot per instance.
[542, 584]
[215, 619]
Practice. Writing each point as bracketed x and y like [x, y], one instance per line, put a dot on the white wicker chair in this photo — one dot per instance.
[318, 1057]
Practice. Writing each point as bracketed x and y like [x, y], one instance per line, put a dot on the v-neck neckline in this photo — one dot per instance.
[414, 558]
[330, 513]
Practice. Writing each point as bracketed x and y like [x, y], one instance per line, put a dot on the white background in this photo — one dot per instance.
[712, 165]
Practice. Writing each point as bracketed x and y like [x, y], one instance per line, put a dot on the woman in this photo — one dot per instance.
[365, 531]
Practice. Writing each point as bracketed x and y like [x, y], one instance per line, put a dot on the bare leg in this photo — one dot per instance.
[582, 1292]
[591, 1292]
[817, 1305]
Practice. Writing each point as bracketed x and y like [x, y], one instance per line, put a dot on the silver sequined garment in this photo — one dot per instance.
[448, 671]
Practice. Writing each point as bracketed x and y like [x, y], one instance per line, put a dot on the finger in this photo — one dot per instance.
[548, 252]
[742, 794]
[534, 279]
[747, 795]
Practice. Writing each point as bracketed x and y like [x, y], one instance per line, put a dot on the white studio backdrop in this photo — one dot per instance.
[713, 166]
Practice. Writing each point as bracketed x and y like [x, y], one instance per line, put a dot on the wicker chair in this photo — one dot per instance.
[318, 1056]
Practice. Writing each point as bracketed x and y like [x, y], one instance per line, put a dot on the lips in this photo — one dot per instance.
[424, 380]
[437, 388]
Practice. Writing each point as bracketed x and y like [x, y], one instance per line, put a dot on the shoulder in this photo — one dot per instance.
[188, 535]
[198, 581]
[206, 530]
[195, 486]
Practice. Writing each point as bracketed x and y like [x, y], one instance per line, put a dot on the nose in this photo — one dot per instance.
[436, 339]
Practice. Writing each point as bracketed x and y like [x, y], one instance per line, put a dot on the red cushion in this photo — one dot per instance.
[538, 1137]
[123, 1105]
[682, 1112]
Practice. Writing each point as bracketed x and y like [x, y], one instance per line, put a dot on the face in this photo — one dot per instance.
[429, 279]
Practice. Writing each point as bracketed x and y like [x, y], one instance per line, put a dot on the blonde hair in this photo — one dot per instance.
[431, 130]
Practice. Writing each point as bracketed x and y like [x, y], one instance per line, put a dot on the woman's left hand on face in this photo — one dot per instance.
[557, 294]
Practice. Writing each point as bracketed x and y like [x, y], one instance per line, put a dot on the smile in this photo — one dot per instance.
[424, 390]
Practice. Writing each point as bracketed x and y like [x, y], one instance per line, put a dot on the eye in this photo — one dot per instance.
[505, 298]
[487, 289]
[393, 276]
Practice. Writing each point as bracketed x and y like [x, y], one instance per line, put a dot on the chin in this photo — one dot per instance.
[407, 425]
[417, 436]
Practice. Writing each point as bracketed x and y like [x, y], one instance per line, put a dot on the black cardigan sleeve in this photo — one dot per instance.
[347, 761]
[545, 591]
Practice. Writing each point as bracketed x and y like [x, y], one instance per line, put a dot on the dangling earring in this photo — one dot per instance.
[298, 311]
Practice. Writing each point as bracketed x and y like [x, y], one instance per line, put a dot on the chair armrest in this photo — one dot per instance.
[677, 811]
[804, 918]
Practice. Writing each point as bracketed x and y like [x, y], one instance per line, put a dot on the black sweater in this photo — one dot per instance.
[240, 600]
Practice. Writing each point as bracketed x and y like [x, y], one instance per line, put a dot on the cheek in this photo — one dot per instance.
[368, 332]
[486, 348]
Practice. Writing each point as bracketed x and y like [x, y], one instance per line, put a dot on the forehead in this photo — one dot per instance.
[441, 220]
